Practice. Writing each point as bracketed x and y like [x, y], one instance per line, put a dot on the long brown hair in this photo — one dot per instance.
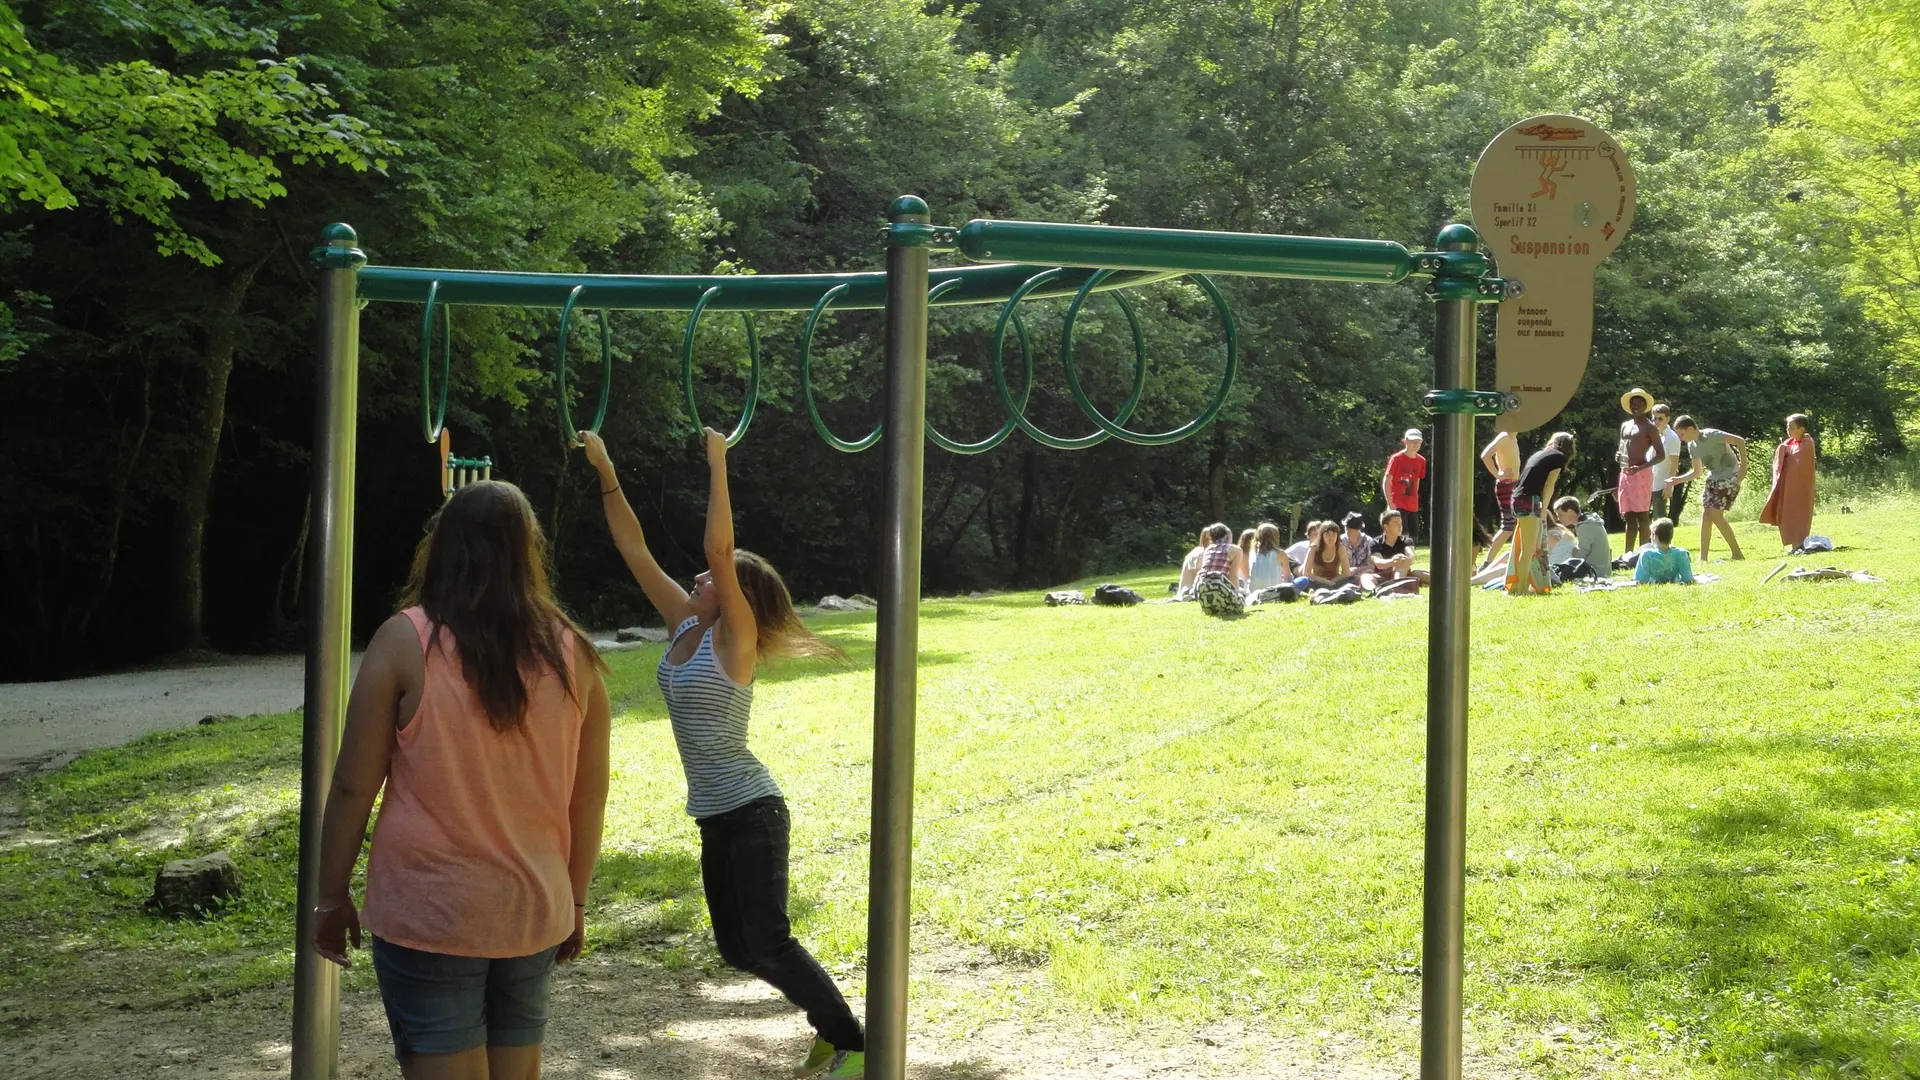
[778, 630]
[481, 573]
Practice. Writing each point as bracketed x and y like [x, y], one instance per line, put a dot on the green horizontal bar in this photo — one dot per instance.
[738, 292]
[1186, 251]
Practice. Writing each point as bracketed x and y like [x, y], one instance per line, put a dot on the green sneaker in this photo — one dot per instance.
[848, 1065]
[819, 1059]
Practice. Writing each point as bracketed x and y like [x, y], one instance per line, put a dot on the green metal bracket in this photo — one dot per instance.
[1462, 275]
[1451, 264]
[921, 234]
[1473, 402]
[469, 462]
[1486, 290]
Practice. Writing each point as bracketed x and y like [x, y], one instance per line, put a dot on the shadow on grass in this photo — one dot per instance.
[1776, 931]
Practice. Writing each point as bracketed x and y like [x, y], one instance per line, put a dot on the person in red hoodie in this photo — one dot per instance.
[1400, 483]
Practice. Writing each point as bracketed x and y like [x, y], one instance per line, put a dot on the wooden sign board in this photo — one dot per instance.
[1552, 197]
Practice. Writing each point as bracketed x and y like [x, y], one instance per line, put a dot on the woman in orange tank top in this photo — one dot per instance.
[480, 708]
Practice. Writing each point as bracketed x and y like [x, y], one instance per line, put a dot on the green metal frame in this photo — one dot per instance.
[1047, 260]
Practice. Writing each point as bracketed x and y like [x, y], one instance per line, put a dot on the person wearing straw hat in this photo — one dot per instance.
[1400, 482]
[1640, 450]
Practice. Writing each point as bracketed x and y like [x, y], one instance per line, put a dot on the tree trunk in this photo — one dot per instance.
[960, 530]
[1063, 557]
[1023, 520]
[1217, 476]
[80, 619]
[208, 418]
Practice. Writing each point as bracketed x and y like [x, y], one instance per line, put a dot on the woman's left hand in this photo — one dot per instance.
[716, 446]
[333, 925]
[570, 948]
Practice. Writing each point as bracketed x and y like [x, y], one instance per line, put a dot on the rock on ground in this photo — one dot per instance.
[192, 886]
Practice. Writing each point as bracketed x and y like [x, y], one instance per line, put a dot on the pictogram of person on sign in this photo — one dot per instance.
[1550, 167]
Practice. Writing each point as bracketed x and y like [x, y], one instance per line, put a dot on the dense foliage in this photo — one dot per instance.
[163, 167]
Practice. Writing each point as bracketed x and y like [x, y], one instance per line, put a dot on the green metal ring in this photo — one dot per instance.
[753, 367]
[806, 380]
[1114, 427]
[567, 430]
[1073, 372]
[433, 414]
[1026, 358]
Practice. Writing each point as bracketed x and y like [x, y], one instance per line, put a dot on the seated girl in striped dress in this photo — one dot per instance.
[737, 612]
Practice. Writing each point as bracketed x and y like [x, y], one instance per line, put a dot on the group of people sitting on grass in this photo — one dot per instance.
[1338, 561]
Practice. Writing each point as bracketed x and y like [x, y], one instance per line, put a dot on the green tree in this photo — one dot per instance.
[537, 135]
[1850, 99]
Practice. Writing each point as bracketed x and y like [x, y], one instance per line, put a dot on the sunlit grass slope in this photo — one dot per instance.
[1694, 815]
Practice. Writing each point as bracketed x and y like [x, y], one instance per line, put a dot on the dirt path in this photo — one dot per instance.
[47, 724]
[622, 1018]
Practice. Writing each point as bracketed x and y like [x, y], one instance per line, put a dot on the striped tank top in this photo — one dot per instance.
[708, 713]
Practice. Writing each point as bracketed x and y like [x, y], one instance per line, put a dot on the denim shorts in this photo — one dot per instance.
[441, 1004]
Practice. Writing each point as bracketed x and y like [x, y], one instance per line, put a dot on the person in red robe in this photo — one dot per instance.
[1790, 505]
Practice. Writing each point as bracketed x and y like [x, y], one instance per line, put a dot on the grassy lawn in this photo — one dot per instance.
[1694, 819]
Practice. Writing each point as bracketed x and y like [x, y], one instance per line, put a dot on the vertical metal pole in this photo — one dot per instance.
[316, 983]
[898, 641]
[1443, 923]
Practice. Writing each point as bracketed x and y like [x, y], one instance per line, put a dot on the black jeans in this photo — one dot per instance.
[743, 864]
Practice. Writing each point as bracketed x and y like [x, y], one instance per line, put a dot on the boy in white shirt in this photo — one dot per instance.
[1663, 469]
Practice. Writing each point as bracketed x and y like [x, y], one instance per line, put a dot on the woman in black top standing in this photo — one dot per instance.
[1527, 569]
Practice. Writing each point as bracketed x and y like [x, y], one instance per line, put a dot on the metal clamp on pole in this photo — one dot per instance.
[1471, 402]
[921, 234]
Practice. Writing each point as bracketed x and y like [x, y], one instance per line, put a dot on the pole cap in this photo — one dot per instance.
[1458, 237]
[908, 206]
[338, 249]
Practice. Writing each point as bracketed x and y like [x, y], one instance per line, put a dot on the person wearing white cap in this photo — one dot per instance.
[1640, 449]
[1400, 483]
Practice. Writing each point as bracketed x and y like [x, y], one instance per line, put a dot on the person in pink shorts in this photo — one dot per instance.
[1640, 450]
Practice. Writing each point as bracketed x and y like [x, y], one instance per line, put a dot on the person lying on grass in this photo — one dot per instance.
[738, 611]
[480, 709]
[1661, 563]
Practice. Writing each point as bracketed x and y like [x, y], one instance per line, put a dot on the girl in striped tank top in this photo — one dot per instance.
[737, 612]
